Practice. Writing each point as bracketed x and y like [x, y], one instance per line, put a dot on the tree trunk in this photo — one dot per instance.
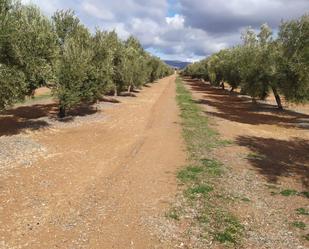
[62, 112]
[129, 88]
[278, 100]
[222, 85]
[32, 94]
[97, 105]
[115, 91]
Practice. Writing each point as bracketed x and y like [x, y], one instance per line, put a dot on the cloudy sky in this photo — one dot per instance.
[185, 30]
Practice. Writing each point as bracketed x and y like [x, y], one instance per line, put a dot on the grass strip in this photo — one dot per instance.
[203, 200]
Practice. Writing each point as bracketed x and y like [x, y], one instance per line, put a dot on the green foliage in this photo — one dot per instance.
[12, 86]
[76, 73]
[302, 211]
[197, 70]
[232, 230]
[201, 180]
[28, 50]
[213, 167]
[299, 224]
[61, 53]
[30, 46]
[262, 64]
[190, 173]
[288, 192]
[294, 41]
[173, 214]
[103, 63]
[202, 189]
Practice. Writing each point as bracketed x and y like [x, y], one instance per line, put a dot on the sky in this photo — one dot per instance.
[186, 30]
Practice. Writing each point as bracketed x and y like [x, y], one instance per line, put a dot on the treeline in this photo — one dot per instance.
[62, 54]
[263, 64]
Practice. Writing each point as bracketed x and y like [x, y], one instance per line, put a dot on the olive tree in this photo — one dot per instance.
[259, 70]
[231, 68]
[31, 46]
[75, 71]
[12, 86]
[294, 42]
[103, 63]
[28, 50]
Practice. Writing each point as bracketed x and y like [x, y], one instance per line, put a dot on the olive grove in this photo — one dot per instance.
[263, 64]
[62, 54]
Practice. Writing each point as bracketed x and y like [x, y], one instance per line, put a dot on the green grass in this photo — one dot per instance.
[201, 189]
[173, 214]
[288, 192]
[195, 125]
[35, 99]
[299, 224]
[230, 234]
[190, 173]
[302, 211]
[203, 197]
[213, 167]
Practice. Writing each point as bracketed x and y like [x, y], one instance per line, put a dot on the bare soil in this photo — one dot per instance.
[106, 175]
[100, 184]
[269, 153]
[42, 91]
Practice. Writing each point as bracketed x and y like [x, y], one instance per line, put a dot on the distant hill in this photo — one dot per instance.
[177, 64]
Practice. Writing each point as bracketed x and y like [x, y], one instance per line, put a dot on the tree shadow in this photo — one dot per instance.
[239, 108]
[36, 117]
[275, 158]
[16, 120]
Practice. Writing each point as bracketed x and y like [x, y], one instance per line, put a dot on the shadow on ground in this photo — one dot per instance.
[32, 117]
[274, 158]
[239, 108]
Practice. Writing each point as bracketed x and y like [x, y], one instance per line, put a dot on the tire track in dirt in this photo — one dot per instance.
[101, 197]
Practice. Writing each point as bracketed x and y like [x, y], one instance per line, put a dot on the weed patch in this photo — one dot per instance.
[190, 173]
[302, 211]
[288, 192]
[204, 202]
[202, 189]
[173, 214]
[299, 224]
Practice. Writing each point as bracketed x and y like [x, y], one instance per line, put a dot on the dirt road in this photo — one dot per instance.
[100, 184]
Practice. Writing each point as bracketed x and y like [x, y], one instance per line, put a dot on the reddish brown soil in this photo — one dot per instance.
[101, 183]
[280, 141]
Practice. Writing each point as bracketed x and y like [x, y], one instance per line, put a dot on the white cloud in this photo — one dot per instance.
[102, 13]
[197, 29]
[176, 22]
